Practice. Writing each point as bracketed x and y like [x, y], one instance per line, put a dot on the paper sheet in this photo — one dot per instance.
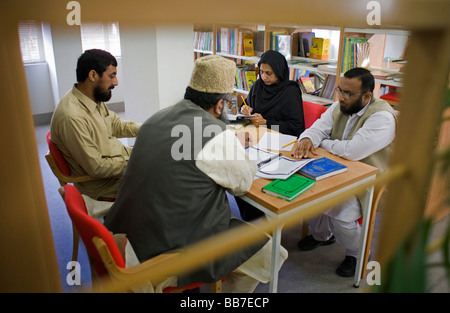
[276, 141]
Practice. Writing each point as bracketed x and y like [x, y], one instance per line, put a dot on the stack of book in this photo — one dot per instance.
[327, 89]
[203, 41]
[302, 43]
[235, 41]
[356, 53]
[245, 76]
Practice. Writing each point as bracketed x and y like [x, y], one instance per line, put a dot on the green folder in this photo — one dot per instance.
[290, 188]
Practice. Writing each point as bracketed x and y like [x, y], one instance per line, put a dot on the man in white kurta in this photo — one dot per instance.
[358, 127]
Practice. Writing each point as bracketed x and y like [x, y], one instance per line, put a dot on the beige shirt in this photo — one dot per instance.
[86, 133]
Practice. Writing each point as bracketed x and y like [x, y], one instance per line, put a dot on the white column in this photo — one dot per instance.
[157, 62]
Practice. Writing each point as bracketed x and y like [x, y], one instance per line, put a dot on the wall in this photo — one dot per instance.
[157, 64]
[153, 71]
[39, 88]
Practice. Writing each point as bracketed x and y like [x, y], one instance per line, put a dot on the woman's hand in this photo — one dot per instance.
[257, 119]
[246, 110]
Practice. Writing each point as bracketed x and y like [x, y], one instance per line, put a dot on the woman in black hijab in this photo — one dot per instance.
[275, 100]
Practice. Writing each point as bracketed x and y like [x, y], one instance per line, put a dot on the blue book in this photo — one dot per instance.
[322, 168]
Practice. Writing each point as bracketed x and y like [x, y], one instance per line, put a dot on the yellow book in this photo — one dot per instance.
[248, 47]
[250, 77]
[320, 48]
[307, 84]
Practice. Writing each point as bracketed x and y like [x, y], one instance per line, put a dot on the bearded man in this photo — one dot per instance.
[358, 127]
[87, 132]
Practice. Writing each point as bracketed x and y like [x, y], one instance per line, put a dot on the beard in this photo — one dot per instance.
[223, 116]
[354, 108]
[101, 96]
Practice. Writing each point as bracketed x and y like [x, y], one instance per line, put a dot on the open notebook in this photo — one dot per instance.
[273, 165]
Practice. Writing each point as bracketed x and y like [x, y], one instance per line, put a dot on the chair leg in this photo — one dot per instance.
[76, 238]
[304, 229]
[366, 253]
[216, 287]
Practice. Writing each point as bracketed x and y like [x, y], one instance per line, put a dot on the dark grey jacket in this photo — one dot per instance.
[165, 202]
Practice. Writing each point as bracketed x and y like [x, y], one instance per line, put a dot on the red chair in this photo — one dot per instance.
[59, 166]
[311, 112]
[106, 259]
[392, 97]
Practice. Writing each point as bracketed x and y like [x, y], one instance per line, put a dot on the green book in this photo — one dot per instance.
[290, 188]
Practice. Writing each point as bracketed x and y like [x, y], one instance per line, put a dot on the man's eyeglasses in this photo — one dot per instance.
[347, 95]
[228, 102]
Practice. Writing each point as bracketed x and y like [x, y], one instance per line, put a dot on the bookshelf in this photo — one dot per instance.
[388, 74]
[325, 74]
[264, 39]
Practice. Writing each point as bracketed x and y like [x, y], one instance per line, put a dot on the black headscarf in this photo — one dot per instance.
[280, 103]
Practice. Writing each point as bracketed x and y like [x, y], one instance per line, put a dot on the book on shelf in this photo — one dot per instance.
[290, 188]
[322, 168]
[320, 48]
[283, 44]
[273, 38]
[250, 77]
[327, 89]
[272, 165]
[248, 47]
[379, 74]
[203, 40]
[245, 76]
[258, 41]
[236, 41]
[307, 85]
[350, 52]
[299, 73]
[308, 62]
[361, 55]
[327, 67]
[303, 40]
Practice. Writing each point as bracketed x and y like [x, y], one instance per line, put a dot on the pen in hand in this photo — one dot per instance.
[246, 106]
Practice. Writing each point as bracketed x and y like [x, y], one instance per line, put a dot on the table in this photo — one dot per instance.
[357, 173]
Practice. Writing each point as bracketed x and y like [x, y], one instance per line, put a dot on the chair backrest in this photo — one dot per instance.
[88, 228]
[58, 157]
[312, 111]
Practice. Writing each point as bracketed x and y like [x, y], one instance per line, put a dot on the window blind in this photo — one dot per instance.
[101, 36]
[31, 41]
